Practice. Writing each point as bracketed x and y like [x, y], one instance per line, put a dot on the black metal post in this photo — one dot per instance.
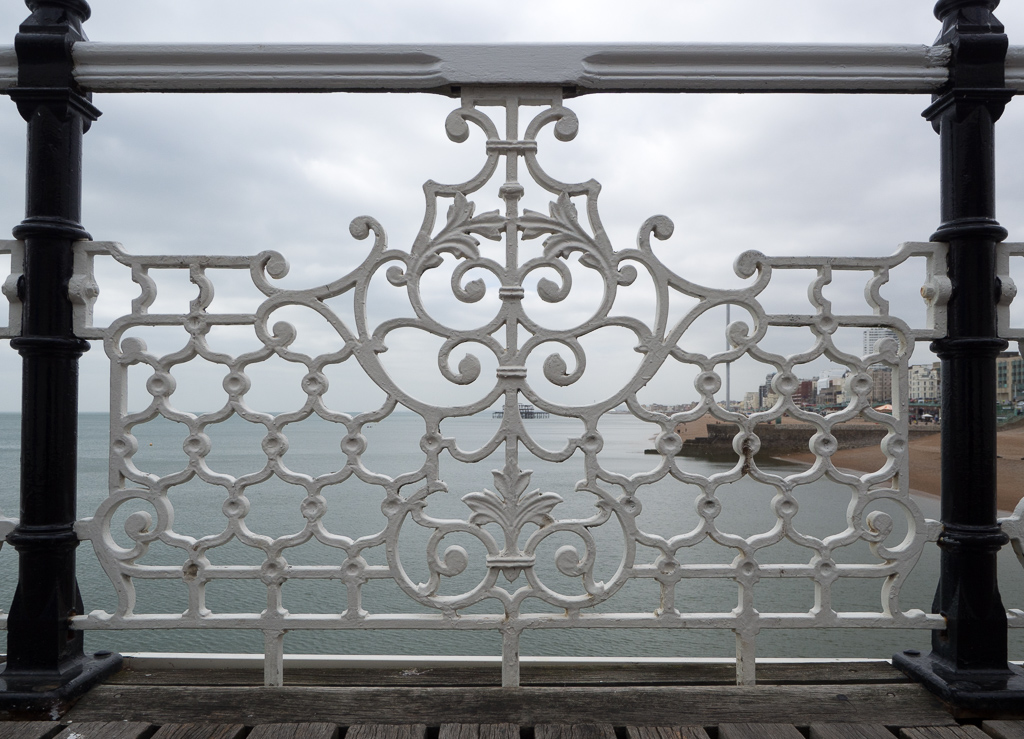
[46, 666]
[967, 666]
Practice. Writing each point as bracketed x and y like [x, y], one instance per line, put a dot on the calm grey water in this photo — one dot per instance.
[354, 509]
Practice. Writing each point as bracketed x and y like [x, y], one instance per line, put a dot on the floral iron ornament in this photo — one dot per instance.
[515, 522]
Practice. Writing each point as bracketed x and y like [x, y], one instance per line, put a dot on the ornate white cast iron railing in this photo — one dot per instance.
[535, 559]
[522, 517]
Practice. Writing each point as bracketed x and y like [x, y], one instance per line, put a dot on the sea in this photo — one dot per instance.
[393, 448]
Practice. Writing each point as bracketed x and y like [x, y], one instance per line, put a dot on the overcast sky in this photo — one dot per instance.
[237, 174]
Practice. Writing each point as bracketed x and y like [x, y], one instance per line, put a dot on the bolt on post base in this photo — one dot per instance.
[48, 695]
[985, 694]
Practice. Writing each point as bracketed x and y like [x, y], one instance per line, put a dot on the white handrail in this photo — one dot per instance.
[116, 67]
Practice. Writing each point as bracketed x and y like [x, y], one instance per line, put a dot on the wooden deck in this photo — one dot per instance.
[791, 701]
[312, 730]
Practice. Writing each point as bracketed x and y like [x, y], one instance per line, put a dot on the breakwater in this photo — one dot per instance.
[787, 438]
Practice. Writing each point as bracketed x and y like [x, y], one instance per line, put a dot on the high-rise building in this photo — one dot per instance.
[875, 334]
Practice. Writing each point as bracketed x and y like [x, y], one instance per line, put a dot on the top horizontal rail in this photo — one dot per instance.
[1015, 68]
[443, 68]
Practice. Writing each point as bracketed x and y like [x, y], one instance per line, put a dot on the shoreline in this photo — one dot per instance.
[850, 471]
[924, 461]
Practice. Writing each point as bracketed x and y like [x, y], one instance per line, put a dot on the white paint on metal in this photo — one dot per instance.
[8, 67]
[648, 68]
[117, 67]
[513, 519]
[6, 527]
[746, 649]
[273, 662]
[223, 661]
[16, 250]
[1015, 68]
[1013, 526]
[1007, 290]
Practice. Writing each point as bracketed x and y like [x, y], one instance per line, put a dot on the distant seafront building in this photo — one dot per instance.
[829, 391]
[925, 381]
[1009, 378]
[881, 384]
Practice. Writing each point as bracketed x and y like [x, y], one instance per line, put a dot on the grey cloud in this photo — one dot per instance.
[787, 174]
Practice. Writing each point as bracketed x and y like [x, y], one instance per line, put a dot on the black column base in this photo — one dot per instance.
[46, 696]
[986, 694]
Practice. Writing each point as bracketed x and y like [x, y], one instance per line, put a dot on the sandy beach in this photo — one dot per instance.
[924, 461]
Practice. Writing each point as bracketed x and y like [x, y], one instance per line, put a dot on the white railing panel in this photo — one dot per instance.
[507, 553]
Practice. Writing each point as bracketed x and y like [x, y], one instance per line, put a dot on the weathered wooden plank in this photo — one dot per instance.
[386, 731]
[892, 704]
[29, 729]
[478, 731]
[827, 673]
[1004, 729]
[200, 731]
[850, 731]
[459, 731]
[838, 672]
[499, 731]
[531, 675]
[758, 731]
[666, 732]
[943, 732]
[107, 730]
[295, 731]
[573, 731]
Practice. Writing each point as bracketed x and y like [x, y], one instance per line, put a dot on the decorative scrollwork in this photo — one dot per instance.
[514, 526]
